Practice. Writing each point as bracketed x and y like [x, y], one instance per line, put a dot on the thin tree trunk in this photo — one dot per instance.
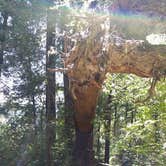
[34, 115]
[126, 113]
[107, 141]
[35, 127]
[42, 133]
[3, 38]
[107, 129]
[115, 121]
[50, 93]
[98, 141]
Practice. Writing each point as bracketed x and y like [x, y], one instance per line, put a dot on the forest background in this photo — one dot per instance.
[127, 130]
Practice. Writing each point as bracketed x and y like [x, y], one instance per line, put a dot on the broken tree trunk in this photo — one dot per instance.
[91, 60]
[86, 67]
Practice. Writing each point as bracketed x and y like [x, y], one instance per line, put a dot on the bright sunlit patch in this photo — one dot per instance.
[132, 25]
[156, 39]
[1, 98]
[3, 119]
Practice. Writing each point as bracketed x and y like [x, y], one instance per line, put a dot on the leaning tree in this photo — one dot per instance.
[100, 51]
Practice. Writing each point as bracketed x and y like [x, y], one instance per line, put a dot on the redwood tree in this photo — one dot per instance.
[50, 91]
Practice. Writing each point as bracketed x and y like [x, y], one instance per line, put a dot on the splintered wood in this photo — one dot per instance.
[91, 59]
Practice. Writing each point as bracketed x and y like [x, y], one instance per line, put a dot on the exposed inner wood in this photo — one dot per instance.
[90, 64]
[136, 59]
[98, 53]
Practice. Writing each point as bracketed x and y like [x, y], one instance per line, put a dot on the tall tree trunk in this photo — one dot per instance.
[35, 126]
[3, 38]
[68, 105]
[34, 114]
[69, 125]
[50, 92]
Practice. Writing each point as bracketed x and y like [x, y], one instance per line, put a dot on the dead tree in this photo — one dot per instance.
[87, 65]
[91, 59]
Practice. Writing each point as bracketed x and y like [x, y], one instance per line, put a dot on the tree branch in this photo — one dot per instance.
[143, 60]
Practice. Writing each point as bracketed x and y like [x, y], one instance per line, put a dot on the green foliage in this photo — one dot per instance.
[138, 131]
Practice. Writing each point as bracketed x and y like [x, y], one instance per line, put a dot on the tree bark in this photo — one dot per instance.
[50, 93]
[68, 105]
[84, 148]
[69, 121]
[84, 108]
[107, 146]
